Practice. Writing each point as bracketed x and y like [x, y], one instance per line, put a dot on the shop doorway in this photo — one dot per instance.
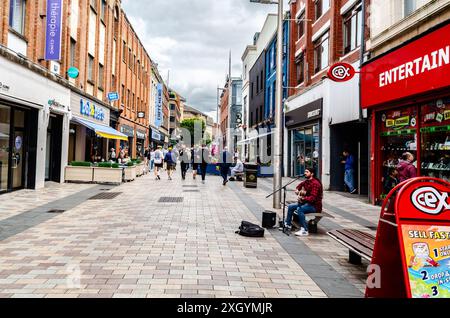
[306, 145]
[54, 150]
[353, 137]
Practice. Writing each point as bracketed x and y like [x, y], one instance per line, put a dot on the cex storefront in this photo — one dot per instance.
[407, 91]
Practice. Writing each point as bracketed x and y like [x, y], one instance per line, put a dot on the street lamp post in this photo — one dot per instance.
[278, 142]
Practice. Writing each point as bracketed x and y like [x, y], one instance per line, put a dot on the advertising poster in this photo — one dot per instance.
[158, 108]
[427, 252]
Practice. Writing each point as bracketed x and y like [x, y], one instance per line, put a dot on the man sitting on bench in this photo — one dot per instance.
[238, 169]
[309, 194]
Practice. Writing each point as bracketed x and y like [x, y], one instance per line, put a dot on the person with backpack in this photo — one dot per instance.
[171, 162]
[159, 161]
[309, 194]
[184, 161]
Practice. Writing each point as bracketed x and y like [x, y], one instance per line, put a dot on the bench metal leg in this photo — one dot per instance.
[312, 226]
[354, 258]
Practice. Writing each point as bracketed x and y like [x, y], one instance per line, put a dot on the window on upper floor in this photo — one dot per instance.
[90, 68]
[93, 4]
[130, 59]
[128, 99]
[300, 69]
[251, 90]
[113, 83]
[321, 53]
[101, 76]
[17, 15]
[257, 84]
[261, 79]
[352, 28]
[73, 52]
[320, 7]
[251, 119]
[124, 52]
[103, 9]
[301, 26]
[123, 94]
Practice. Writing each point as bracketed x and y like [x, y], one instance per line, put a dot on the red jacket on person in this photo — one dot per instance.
[314, 193]
[406, 170]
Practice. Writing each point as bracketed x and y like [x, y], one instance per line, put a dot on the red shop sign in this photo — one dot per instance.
[420, 66]
[341, 72]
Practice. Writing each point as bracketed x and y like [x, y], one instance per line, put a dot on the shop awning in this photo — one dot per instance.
[101, 130]
[248, 140]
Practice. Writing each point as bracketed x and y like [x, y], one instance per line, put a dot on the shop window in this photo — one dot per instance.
[17, 15]
[321, 53]
[352, 29]
[435, 139]
[398, 135]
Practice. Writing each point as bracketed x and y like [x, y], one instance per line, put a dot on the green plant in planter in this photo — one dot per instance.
[108, 165]
[80, 164]
[130, 164]
[115, 165]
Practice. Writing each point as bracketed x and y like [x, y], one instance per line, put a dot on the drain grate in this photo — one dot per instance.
[190, 186]
[191, 190]
[170, 199]
[105, 196]
[56, 211]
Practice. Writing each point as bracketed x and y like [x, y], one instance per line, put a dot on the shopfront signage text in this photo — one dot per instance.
[418, 67]
[91, 110]
[158, 108]
[53, 30]
[429, 200]
[314, 113]
[140, 135]
[113, 96]
[156, 136]
[52, 103]
[341, 72]
[4, 87]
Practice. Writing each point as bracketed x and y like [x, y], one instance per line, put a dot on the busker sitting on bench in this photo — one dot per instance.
[309, 194]
[238, 169]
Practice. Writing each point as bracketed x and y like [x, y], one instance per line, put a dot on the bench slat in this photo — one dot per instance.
[353, 242]
[367, 239]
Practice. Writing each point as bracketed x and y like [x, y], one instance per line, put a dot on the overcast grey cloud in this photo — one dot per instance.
[192, 39]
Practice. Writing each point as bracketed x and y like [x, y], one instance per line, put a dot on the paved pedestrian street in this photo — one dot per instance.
[61, 242]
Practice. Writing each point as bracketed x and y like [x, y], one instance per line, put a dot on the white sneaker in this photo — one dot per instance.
[286, 226]
[302, 232]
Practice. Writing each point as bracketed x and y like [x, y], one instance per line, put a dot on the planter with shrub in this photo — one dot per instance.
[129, 171]
[79, 171]
[106, 172]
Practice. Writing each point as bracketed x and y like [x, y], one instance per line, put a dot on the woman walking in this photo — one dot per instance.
[159, 160]
[184, 161]
[171, 162]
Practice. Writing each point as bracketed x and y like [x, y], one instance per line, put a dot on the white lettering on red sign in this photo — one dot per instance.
[429, 200]
[420, 65]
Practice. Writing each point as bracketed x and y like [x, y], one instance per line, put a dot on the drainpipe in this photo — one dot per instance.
[362, 50]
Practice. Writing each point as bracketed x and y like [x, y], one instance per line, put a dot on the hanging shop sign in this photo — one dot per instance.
[412, 248]
[341, 72]
[420, 66]
[141, 115]
[73, 72]
[113, 96]
[53, 30]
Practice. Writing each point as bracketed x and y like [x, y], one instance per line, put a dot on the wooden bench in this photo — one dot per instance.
[360, 244]
[313, 218]
[239, 176]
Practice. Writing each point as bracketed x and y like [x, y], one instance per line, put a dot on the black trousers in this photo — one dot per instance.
[203, 170]
[184, 168]
[224, 172]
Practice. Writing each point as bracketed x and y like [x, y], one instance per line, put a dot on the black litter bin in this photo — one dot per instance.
[250, 175]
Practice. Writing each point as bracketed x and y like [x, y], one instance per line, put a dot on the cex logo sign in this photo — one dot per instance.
[430, 200]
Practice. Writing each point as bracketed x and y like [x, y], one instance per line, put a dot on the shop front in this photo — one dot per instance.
[157, 138]
[407, 92]
[91, 131]
[140, 143]
[28, 104]
[304, 135]
[127, 145]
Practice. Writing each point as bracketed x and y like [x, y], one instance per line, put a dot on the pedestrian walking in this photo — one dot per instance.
[171, 161]
[406, 169]
[159, 161]
[225, 163]
[205, 160]
[112, 156]
[391, 180]
[184, 161]
[152, 159]
[349, 176]
[196, 160]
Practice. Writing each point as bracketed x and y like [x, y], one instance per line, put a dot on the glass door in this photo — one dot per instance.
[5, 117]
[18, 158]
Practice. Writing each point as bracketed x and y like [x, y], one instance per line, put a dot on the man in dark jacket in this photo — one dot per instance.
[225, 164]
[406, 169]
[349, 177]
[310, 193]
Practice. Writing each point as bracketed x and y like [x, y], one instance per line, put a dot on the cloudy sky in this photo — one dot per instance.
[192, 40]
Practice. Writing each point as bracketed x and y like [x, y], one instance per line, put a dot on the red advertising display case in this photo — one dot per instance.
[412, 246]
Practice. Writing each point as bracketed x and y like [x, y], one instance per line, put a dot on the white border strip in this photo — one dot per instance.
[348, 6]
[299, 12]
[321, 31]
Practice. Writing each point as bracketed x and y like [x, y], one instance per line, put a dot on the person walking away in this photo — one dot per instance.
[152, 159]
[147, 158]
[238, 168]
[159, 160]
[196, 160]
[225, 163]
[391, 180]
[170, 160]
[112, 156]
[349, 176]
[309, 194]
[204, 161]
[406, 169]
[184, 161]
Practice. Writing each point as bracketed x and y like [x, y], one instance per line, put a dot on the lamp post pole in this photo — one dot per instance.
[277, 159]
